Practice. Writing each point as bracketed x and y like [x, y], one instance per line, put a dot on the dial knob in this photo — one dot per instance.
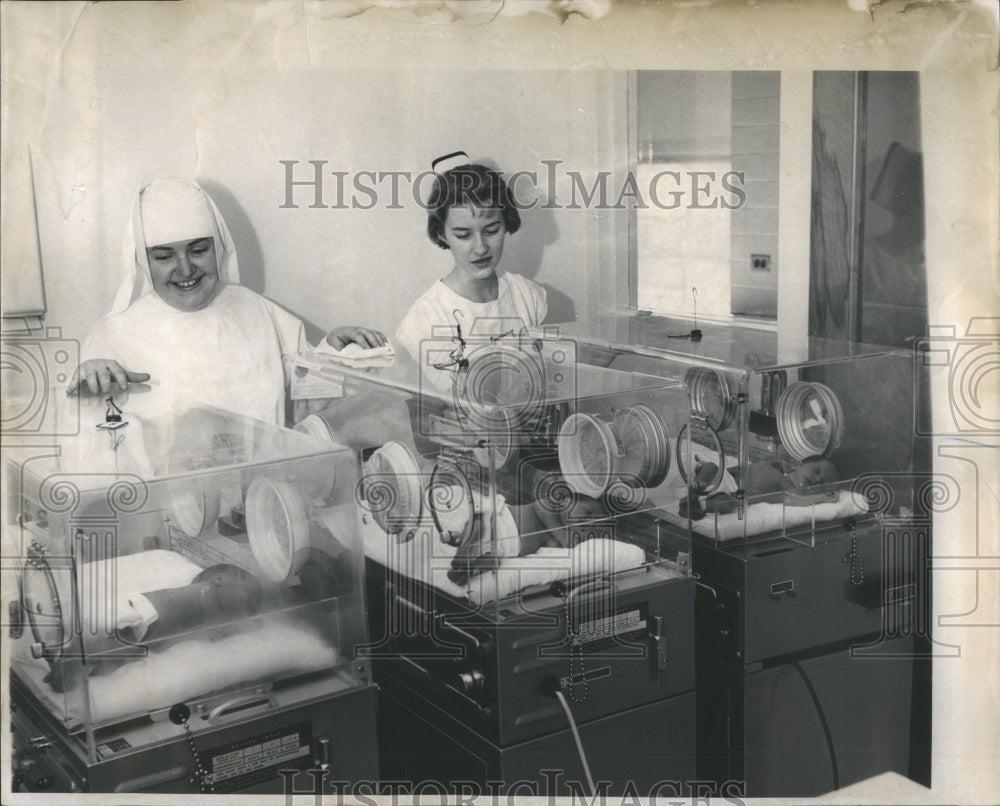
[470, 680]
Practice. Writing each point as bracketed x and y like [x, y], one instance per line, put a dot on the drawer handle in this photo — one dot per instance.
[784, 588]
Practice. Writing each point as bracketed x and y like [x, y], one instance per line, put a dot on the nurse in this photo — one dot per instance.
[182, 321]
[470, 213]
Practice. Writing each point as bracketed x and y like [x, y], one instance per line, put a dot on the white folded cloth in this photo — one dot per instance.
[355, 355]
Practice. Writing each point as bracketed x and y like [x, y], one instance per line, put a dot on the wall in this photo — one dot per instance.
[756, 99]
[106, 129]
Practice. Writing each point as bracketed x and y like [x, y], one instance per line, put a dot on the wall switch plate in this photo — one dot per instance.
[760, 262]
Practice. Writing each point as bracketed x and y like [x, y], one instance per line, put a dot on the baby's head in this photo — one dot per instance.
[814, 471]
[228, 592]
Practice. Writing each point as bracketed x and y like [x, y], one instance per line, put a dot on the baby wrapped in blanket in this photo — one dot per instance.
[522, 530]
[810, 482]
[217, 595]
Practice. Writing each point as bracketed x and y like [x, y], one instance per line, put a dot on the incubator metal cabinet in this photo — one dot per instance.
[191, 595]
[809, 515]
[520, 578]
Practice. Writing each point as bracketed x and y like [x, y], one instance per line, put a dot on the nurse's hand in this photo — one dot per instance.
[340, 337]
[99, 373]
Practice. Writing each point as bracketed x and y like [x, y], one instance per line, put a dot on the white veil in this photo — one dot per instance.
[136, 280]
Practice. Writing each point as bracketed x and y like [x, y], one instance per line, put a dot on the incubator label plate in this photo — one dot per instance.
[108, 749]
[307, 385]
[248, 761]
[624, 625]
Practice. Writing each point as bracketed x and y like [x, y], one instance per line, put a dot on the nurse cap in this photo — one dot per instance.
[445, 163]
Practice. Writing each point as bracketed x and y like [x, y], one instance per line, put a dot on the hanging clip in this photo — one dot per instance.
[113, 417]
[694, 334]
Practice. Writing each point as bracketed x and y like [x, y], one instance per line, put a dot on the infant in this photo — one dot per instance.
[808, 483]
[538, 525]
[219, 594]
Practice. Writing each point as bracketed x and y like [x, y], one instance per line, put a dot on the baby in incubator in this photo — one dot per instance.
[539, 524]
[218, 595]
[808, 483]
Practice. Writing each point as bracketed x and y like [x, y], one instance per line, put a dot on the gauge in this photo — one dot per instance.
[711, 396]
[449, 498]
[500, 434]
[646, 445]
[42, 606]
[315, 425]
[192, 508]
[589, 453]
[277, 527]
[810, 420]
[503, 386]
[699, 447]
[392, 489]
[191, 505]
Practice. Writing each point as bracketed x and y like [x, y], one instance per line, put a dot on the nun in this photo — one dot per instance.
[182, 322]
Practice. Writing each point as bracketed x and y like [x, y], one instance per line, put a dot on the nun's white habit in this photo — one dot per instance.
[229, 354]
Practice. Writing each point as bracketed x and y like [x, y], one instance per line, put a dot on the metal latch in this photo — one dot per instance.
[659, 644]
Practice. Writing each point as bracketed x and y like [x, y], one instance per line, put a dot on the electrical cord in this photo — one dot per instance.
[576, 737]
[823, 722]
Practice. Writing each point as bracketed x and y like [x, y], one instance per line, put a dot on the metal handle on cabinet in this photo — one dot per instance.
[400, 600]
[240, 705]
[146, 781]
[447, 625]
[786, 587]
[588, 587]
[709, 588]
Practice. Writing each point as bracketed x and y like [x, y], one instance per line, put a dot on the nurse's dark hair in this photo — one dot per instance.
[464, 185]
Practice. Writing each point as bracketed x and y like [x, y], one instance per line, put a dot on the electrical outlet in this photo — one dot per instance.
[760, 262]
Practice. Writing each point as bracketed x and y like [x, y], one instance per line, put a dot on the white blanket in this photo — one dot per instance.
[764, 517]
[189, 669]
[194, 668]
[173, 672]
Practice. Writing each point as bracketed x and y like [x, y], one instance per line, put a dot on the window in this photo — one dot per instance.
[705, 151]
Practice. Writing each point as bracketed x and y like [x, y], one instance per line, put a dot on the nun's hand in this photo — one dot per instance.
[340, 337]
[98, 374]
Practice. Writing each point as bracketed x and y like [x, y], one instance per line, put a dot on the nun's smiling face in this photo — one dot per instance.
[185, 273]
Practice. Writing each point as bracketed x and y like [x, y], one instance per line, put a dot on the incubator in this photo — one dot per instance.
[758, 403]
[809, 508]
[522, 586]
[190, 602]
